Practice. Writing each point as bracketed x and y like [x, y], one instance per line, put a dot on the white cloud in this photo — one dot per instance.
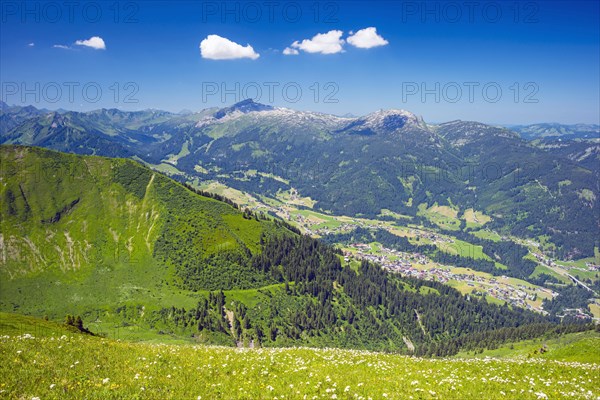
[288, 51]
[366, 38]
[215, 47]
[324, 43]
[61, 46]
[31, 44]
[95, 42]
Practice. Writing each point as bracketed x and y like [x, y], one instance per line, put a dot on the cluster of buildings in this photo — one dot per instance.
[411, 264]
[546, 261]
[592, 267]
[575, 312]
[434, 237]
[345, 227]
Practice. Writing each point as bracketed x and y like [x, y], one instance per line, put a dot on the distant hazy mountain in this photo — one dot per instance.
[554, 130]
[389, 159]
[585, 152]
[578, 142]
[13, 116]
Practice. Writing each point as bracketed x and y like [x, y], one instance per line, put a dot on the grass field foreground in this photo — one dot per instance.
[68, 365]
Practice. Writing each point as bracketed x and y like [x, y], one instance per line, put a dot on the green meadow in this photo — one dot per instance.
[46, 360]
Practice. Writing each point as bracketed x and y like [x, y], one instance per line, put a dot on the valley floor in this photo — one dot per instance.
[63, 364]
[299, 212]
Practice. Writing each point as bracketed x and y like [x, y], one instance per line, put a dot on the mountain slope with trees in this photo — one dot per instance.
[111, 240]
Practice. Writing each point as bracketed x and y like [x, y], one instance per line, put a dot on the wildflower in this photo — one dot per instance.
[105, 380]
[347, 389]
[52, 386]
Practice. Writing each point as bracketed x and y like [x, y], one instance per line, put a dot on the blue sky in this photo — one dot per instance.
[491, 61]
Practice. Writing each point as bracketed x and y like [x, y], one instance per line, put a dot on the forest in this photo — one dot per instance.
[322, 302]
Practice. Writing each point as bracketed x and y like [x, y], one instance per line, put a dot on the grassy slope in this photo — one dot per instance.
[53, 366]
[100, 253]
[576, 347]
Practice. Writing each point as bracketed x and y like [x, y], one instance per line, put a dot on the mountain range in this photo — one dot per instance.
[537, 181]
[555, 130]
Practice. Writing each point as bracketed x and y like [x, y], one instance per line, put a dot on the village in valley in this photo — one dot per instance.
[419, 266]
[498, 289]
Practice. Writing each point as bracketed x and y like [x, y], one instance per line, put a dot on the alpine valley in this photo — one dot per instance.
[266, 226]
